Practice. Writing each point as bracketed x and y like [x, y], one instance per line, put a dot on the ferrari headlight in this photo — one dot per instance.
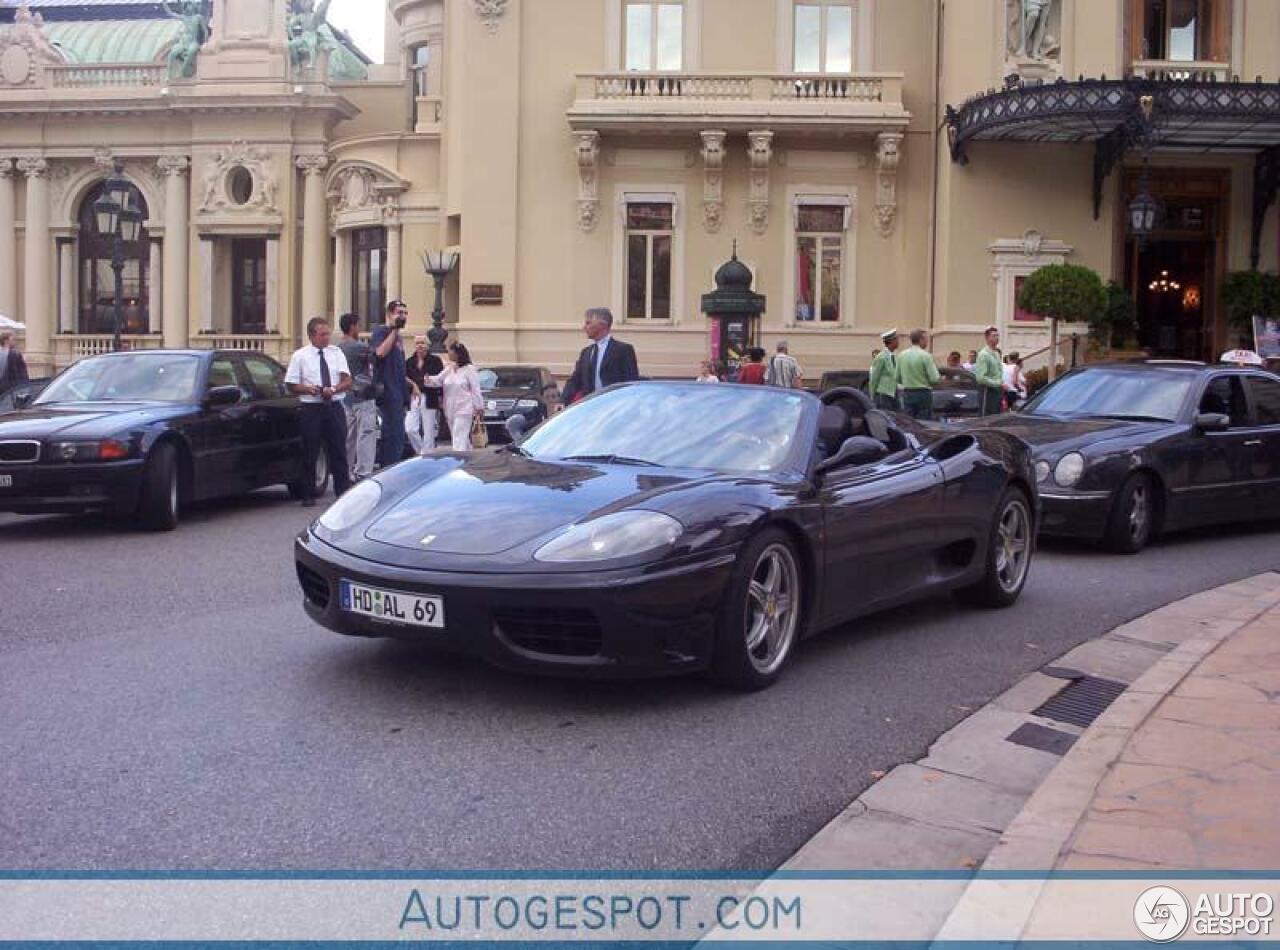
[1069, 469]
[624, 534]
[1043, 471]
[353, 507]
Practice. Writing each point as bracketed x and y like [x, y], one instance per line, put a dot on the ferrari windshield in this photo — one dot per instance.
[730, 429]
[1114, 392]
[138, 377]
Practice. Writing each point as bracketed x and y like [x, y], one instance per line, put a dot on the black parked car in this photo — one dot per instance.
[20, 395]
[1126, 451]
[529, 391]
[955, 397]
[667, 527]
[144, 432]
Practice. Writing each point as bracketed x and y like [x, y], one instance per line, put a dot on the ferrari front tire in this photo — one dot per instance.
[760, 619]
[1009, 551]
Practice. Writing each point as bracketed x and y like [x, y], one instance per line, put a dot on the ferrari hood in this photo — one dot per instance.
[1046, 433]
[497, 501]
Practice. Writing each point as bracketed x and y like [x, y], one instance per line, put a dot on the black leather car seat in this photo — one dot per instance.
[881, 428]
[834, 426]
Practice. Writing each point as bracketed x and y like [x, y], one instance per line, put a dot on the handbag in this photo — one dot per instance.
[479, 434]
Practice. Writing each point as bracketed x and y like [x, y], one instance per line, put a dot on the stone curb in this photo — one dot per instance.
[1043, 830]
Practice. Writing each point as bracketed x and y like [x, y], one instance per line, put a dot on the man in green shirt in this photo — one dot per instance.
[990, 373]
[884, 374]
[918, 374]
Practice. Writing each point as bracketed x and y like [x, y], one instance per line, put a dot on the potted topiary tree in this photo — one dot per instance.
[1063, 292]
[1119, 318]
[1247, 294]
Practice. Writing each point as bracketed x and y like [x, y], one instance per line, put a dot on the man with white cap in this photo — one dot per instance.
[884, 374]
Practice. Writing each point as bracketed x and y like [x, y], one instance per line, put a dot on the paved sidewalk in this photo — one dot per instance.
[1198, 785]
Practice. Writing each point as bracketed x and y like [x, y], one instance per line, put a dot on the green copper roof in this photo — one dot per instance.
[92, 42]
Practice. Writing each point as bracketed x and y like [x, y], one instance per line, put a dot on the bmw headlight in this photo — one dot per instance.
[1069, 469]
[1043, 471]
[625, 534]
[353, 507]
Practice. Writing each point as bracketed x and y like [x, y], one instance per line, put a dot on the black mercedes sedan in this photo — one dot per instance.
[1126, 451]
[668, 527]
[527, 391]
[141, 433]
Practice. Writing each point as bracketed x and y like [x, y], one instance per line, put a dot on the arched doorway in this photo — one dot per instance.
[97, 280]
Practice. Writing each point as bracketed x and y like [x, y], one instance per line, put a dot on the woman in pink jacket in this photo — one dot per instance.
[463, 397]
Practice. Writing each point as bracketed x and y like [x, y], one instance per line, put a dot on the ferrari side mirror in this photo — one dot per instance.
[1212, 422]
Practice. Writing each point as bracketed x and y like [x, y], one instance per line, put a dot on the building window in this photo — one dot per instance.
[98, 280]
[420, 74]
[369, 273]
[654, 36]
[650, 233]
[249, 285]
[823, 36]
[1182, 31]
[819, 262]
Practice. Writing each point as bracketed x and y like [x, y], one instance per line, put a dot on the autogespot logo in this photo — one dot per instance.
[1162, 914]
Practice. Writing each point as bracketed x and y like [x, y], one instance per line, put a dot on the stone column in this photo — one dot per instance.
[206, 285]
[341, 272]
[177, 249]
[66, 285]
[394, 249]
[37, 276]
[273, 285]
[155, 287]
[8, 242]
[315, 231]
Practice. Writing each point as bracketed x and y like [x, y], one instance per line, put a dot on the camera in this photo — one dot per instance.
[400, 322]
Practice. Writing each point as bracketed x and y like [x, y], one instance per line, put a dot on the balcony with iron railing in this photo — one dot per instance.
[274, 345]
[630, 101]
[1169, 70]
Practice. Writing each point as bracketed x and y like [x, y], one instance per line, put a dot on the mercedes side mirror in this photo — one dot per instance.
[23, 400]
[859, 450]
[1212, 422]
[219, 397]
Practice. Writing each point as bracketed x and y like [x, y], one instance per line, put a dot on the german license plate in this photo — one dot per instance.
[389, 606]
[6, 481]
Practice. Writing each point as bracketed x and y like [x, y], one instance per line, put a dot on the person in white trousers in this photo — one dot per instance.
[463, 397]
[424, 405]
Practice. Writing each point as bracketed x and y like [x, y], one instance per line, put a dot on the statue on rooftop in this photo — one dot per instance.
[194, 17]
[305, 39]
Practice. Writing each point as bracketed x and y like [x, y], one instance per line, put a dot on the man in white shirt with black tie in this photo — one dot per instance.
[318, 374]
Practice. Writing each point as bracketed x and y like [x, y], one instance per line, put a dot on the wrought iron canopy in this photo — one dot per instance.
[1119, 115]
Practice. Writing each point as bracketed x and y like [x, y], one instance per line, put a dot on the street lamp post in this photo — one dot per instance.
[116, 217]
[438, 265]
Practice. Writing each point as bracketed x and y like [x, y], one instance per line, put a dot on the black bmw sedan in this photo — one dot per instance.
[1125, 451]
[141, 433]
[668, 527]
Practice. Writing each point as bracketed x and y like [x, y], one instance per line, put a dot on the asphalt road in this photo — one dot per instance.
[165, 704]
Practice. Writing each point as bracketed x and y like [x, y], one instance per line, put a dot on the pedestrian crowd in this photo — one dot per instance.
[905, 381]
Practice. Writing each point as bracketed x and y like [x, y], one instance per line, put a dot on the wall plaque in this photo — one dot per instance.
[486, 295]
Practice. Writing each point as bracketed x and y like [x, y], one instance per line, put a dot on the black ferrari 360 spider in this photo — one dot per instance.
[667, 527]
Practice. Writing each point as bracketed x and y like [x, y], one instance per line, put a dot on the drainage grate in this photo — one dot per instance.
[1035, 736]
[1081, 701]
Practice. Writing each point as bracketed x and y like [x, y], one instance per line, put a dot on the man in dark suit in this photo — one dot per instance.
[604, 362]
[13, 368]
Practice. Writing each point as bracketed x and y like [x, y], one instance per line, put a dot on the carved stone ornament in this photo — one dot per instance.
[588, 152]
[1032, 242]
[352, 189]
[34, 167]
[23, 47]
[888, 154]
[490, 12]
[759, 155]
[713, 181]
[171, 166]
[218, 195]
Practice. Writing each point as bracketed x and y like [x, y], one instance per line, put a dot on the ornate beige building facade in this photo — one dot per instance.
[587, 152]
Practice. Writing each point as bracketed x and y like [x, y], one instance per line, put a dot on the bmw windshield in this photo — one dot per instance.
[727, 429]
[137, 377]
[1114, 392]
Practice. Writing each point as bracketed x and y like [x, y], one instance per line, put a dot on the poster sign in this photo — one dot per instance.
[486, 295]
[1266, 337]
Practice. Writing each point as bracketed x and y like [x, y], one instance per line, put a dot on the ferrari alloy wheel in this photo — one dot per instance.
[760, 621]
[1132, 519]
[1013, 550]
[1009, 552]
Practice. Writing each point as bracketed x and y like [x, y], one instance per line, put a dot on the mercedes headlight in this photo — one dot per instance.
[1043, 471]
[625, 534]
[1069, 469]
[527, 404]
[353, 507]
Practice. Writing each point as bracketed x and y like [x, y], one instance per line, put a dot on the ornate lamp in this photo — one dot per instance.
[115, 217]
[438, 265]
[1143, 212]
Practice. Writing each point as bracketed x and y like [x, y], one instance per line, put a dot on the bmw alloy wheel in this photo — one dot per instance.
[773, 609]
[1013, 545]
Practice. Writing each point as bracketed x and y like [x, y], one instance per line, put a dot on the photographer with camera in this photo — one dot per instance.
[391, 374]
